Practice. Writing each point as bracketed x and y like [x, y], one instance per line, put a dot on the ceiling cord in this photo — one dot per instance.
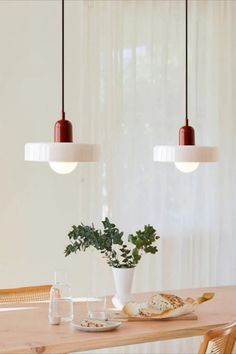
[62, 47]
[186, 61]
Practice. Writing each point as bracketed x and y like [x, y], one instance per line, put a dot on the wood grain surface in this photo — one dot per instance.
[27, 330]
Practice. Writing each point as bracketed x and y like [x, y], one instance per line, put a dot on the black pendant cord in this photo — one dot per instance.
[63, 130]
[186, 133]
[186, 61]
[62, 47]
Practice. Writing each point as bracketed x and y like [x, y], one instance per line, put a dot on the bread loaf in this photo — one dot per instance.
[134, 308]
[164, 305]
[157, 305]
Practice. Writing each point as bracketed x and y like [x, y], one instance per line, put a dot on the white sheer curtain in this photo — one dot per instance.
[131, 91]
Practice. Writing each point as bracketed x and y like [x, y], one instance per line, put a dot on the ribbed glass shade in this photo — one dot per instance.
[62, 152]
[185, 153]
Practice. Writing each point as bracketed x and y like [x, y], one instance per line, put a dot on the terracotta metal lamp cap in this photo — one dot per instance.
[63, 131]
[186, 135]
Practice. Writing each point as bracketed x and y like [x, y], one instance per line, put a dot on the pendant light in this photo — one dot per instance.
[63, 155]
[186, 155]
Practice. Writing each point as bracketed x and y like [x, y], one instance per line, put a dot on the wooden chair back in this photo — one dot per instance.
[25, 294]
[220, 340]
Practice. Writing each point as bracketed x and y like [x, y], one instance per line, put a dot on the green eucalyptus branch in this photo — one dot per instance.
[111, 245]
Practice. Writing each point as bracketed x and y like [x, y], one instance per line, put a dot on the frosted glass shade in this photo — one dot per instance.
[62, 152]
[185, 153]
[186, 167]
[63, 168]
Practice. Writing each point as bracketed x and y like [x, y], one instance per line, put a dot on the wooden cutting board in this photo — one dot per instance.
[190, 316]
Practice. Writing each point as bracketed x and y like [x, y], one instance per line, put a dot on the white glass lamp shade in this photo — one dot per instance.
[186, 167]
[63, 168]
[185, 153]
[62, 153]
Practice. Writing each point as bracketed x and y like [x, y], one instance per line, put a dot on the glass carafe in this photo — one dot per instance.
[61, 304]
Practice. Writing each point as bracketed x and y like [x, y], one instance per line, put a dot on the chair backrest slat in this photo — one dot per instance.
[25, 294]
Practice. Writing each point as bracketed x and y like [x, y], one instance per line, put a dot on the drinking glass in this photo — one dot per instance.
[97, 308]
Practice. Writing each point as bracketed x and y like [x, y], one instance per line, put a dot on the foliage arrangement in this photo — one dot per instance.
[110, 243]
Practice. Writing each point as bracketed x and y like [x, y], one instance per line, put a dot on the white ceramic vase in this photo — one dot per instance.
[123, 278]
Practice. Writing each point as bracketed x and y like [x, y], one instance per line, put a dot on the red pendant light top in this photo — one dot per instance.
[63, 131]
[186, 135]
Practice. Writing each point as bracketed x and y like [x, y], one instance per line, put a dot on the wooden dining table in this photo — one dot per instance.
[24, 328]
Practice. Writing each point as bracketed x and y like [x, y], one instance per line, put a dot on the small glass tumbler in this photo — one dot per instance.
[97, 308]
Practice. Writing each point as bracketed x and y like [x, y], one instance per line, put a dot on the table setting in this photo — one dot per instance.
[159, 307]
[122, 255]
[97, 316]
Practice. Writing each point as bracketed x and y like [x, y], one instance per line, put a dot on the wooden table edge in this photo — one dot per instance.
[101, 344]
